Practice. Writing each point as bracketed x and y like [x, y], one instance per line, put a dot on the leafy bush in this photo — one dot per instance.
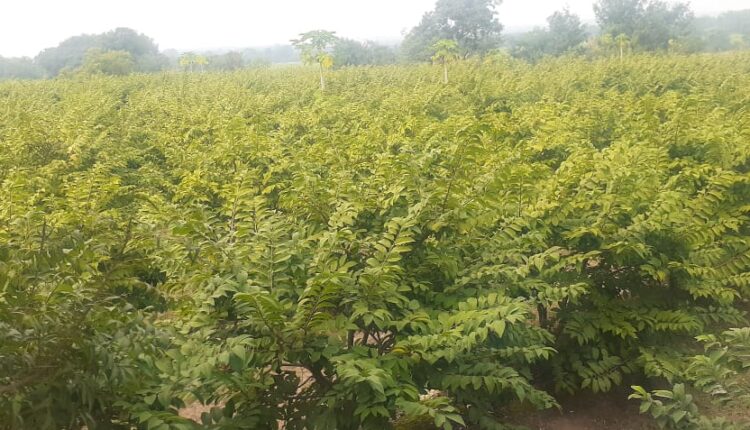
[676, 409]
[673, 409]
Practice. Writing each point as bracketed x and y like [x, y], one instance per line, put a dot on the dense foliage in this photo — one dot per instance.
[391, 247]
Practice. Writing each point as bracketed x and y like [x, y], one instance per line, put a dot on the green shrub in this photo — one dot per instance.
[242, 240]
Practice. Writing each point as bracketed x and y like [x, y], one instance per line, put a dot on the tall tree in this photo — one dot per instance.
[532, 45]
[566, 31]
[315, 48]
[144, 50]
[445, 51]
[186, 61]
[619, 16]
[189, 59]
[129, 40]
[649, 24]
[623, 43]
[201, 61]
[473, 24]
[661, 23]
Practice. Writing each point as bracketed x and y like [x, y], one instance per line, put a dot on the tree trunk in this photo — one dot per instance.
[543, 318]
[445, 72]
[322, 78]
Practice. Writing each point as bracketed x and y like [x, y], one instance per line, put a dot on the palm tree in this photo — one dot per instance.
[605, 44]
[314, 47]
[445, 51]
[622, 41]
[187, 60]
[201, 61]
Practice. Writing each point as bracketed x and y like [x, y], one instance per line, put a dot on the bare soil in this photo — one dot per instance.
[586, 412]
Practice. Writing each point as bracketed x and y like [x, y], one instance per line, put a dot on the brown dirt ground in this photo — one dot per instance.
[589, 412]
[586, 412]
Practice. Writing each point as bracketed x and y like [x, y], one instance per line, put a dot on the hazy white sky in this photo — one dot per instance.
[27, 26]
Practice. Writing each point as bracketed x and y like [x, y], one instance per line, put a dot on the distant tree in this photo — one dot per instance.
[201, 61]
[226, 62]
[99, 61]
[381, 54]
[662, 22]
[315, 48]
[348, 52]
[602, 46]
[737, 41]
[716, 33]
[271, 54]
[258, 63]
[675, 46]
[619, 16]
[473, 24]
[71, 52]
[186, 61]
[129, 40]
[189, 60]
[532, 45]
[20, 68]
[565, 30]
[649, 24]
[443, 52]
[68, 54]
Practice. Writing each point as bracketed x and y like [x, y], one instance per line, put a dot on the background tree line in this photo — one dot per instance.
[622, 26]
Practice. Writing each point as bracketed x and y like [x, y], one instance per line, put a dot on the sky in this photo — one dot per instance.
[28, 26]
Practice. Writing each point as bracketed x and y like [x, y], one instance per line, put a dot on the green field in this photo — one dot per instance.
[329, 258]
